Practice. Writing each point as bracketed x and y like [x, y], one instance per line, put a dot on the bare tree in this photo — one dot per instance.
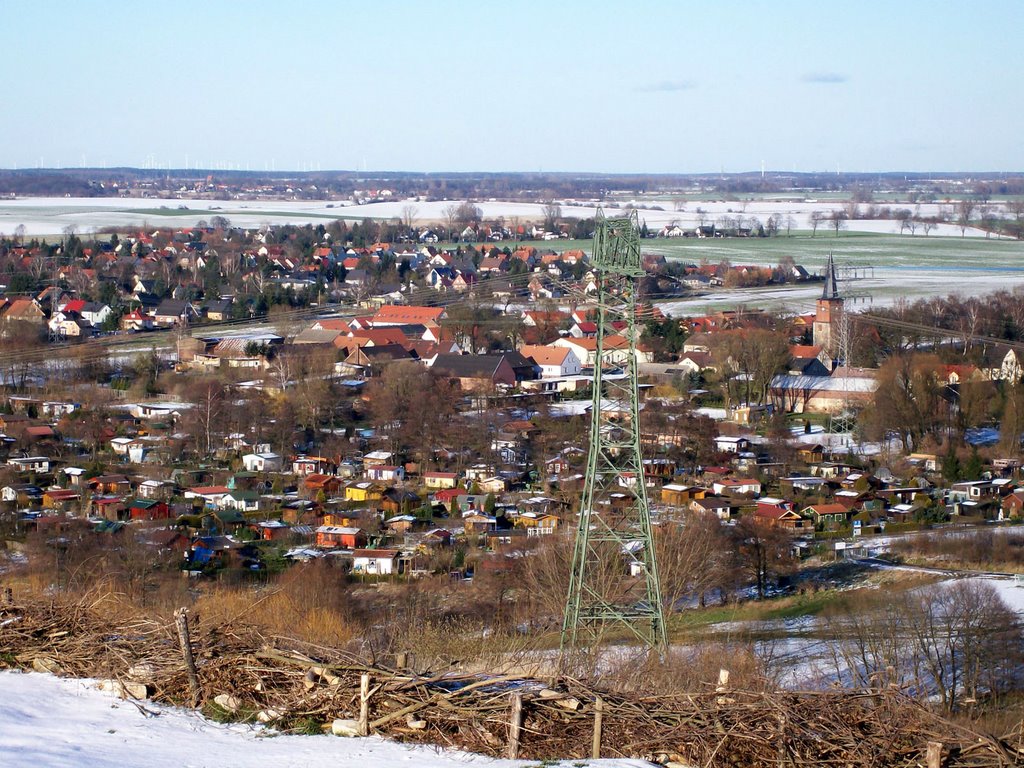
[398, 408]
[954, 641]
[814, 219]
[837, 220]
[208, 397]
[964, 212]
[906, 219]
[764, 551]
[908, 397]
[409, 212]
[1016, 227]
[468, 213]
[552, 214]
[989, 219]
[693, 558]
[451, 213]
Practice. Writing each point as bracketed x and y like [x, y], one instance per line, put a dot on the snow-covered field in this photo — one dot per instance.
[888, 286]
[50, 215]
[908, 266]
[51, 722]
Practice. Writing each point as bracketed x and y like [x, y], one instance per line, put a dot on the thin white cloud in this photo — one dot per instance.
[828, 78]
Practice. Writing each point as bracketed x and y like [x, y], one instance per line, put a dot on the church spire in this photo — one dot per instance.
[831, 288]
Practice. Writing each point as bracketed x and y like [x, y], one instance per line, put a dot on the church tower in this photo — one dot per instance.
[827, 312]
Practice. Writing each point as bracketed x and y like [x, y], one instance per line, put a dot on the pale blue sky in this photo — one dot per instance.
[560, 85]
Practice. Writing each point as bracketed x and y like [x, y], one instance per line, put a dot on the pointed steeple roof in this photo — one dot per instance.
[831, 288]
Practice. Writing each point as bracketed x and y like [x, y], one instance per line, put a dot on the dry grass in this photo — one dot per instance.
[306, 603]
[980, 549]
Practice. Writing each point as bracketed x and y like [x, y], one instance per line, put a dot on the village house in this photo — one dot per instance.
[262, 462]
[399, 501]
[677, 495]
[272, 530]
[394, 314]
[241, 501]
[721, 507]
[775, 514]
[149, 509]
[39, 464]
[615, 350]
[476, 372]
[538, 523]
[399, 525]
[136, 321]
[61, 499]
[377, 562]
[116, 484]
[553, 362]
[1012, 504]
[440, 479]
[378, 459]
[727, 444]
[827, 516]
[210, 496]
[345, 537]
[172, 312]
[317, 483]
[385, 473]
[21, 493]
[155, 489]
[24, 310]
[737, 486]
[363, 492]
[308, 465]
[476, 522]
[823, 394]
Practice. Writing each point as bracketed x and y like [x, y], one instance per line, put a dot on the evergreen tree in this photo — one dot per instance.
[951, 469]
[974, 466]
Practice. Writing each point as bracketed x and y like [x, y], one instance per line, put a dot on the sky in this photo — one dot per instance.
[496, 85]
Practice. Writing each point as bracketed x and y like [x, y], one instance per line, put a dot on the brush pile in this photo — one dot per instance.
[243, 675]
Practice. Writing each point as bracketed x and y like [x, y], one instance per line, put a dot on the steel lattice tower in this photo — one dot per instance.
[614, 577]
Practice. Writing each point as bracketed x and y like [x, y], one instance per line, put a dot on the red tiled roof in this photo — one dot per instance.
[402, 315]
[544, 355]
[805, 350]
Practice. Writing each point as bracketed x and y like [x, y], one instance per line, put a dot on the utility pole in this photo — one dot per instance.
[614, 577]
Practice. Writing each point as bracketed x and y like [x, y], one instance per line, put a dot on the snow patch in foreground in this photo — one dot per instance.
[51, 722]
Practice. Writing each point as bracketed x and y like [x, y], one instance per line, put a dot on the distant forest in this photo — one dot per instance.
[111, 182]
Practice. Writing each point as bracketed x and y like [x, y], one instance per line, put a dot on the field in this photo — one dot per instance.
[904, 266]
[911, 266]
[49, 216]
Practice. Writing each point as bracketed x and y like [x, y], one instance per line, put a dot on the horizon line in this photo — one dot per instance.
[367, 172]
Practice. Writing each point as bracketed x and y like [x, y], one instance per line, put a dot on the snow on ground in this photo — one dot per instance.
[49, 215]
[890, 285]
[1008, 589]
[51, 722]
[718, 414]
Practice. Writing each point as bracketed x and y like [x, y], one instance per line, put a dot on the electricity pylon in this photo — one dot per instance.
[614, 577]
[842, 421]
